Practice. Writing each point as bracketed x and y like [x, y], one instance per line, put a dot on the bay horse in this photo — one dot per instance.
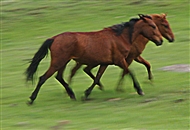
[136, 49]
[109, 46]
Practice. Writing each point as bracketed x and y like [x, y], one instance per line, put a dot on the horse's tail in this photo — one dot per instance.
[40, 54]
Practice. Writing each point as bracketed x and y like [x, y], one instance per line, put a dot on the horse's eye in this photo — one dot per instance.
[166, 26]
[153, 26]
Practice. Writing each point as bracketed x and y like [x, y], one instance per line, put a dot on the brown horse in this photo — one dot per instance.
[140, 43]
[105, 47]
[137, 48]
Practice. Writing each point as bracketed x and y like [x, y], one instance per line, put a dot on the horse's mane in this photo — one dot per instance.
[118, 28]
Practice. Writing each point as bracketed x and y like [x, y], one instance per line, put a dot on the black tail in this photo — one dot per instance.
[40, 54]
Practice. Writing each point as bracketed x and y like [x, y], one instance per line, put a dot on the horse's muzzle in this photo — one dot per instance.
[171, 40]
[158, 43]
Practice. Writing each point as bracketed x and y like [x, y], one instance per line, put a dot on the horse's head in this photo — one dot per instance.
[148, 29]
[163, 26]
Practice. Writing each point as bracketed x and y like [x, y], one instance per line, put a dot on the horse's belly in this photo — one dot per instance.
[94, 59]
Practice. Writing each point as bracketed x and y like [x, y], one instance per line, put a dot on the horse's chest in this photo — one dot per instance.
[124, 50]
[137, 49]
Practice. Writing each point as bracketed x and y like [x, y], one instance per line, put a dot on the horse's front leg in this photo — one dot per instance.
[139, 59]
[135, 81]
[96, 80]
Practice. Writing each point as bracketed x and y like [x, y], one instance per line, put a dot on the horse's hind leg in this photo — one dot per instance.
[41, 81]
[87, 70]
[139, 59]
[96, 80]
[59, 77]
[74, 70]
[118, 88]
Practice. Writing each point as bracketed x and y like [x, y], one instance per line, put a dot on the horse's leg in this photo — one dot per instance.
[59, 77]
[87, 70]
[74, 70]
[96, 80]
[41, 81]
[118, 88]
[136, 84]
[139, 59]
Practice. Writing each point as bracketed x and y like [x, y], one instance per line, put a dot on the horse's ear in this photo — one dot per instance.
[142, 17]
[164, 15]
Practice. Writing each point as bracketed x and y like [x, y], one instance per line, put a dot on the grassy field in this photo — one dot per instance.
[26, 24]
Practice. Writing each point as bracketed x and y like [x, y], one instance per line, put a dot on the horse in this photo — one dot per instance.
[109, 46]
[136, 49]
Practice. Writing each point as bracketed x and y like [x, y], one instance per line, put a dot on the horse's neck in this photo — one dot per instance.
[140, 43]
[126, 36]
[131, 35]
[135, 35]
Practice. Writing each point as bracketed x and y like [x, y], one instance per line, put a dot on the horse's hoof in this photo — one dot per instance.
[101, 88]
[73, 97]
[29, 102]
[150, 77]
[83, 98]
[140, 93]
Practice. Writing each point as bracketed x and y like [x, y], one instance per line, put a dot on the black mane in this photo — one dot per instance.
[118, 28]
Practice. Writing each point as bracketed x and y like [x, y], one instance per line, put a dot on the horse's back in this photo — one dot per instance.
[86, 47]
[96, 46]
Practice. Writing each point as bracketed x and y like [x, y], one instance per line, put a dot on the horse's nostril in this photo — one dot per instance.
[171, 40]
[158, 43]
[161, 41]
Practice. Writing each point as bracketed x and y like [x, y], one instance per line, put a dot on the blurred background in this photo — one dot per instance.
[25, 25]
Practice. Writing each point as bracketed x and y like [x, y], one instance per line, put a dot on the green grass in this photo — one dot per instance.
[26, 24]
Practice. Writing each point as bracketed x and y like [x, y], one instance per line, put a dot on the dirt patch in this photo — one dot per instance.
[21, 124]
[149, 100]
[60, 125]
[179, 100]
[177, 68]
[136, 2]
[113, 99]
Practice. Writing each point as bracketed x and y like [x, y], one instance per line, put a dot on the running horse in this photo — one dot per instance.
[136, 49]
[109, 46]
[140, 43]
